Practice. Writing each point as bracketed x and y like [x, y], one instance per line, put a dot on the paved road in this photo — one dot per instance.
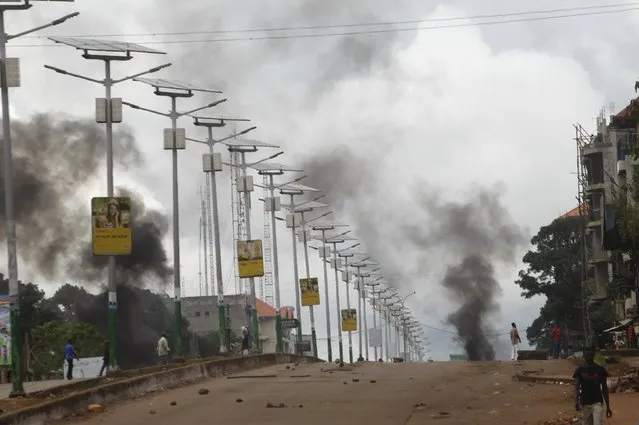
[402, 394]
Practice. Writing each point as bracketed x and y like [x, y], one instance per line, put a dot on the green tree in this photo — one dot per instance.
[68, 299]
[34, 308]
[50, 338]
[553, 270]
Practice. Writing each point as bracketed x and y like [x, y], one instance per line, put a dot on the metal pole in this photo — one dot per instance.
[362, 292]
[221, 312]
[348, 306]
[298, 302]
[308, 276]
[405, 341]
[17, 389]
[339, 311]
[176, 235]
[375, 325]
[359, 313]
[247, 213]
[276, 271]
[326, 303]
[112, 285]
[388, 332]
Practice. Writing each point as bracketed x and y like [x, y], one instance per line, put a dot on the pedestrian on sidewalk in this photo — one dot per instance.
[591, 390]
[163, 349]
[515, 340]
[106, 358]
[69, 356]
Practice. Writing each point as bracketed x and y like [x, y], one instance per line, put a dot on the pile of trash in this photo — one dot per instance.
[564, 420]
[625, 384]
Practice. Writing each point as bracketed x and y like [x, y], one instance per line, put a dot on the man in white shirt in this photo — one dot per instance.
[163, 349]
[514, 340]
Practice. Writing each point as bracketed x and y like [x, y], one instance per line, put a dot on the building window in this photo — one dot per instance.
[197, 314]
[207, 313]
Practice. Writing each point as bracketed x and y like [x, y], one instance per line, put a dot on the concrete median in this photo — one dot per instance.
[107, 393]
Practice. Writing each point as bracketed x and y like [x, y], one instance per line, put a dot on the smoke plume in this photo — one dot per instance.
[472, 238]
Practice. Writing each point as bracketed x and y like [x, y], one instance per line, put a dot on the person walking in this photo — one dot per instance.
[245, 341]
[591, 390]
[556, 341]
[515, 340]
[69, 356]
[163, 349]
[106, 358]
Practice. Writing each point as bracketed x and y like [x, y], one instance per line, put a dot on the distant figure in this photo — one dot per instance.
[163, 349]
[245, 341]
[69, 356]
[591, 390]
[618, 343]
[515, 340]
[106, 358]
[556, 341]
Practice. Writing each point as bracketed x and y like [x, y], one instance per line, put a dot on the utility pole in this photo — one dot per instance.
[174, 140]
[10, 77]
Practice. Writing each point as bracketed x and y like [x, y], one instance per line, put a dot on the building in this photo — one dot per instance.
[202, 314]
[604, 169]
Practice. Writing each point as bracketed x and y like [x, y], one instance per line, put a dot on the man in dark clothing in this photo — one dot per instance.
[591, 390]
[106, 358]
[69, 355]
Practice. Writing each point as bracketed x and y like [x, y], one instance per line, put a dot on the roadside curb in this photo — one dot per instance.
[540, 379]
[74, 404]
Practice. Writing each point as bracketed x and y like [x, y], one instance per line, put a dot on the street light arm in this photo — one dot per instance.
[139, 74]
[318, 217]
[291, 182]
[71, 74]
[41, 27]
[197, 141]
[236, 134]
[210, 105]
[265, 159]
[134, 106]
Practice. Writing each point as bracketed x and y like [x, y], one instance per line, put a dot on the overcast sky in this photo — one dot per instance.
[448, 107]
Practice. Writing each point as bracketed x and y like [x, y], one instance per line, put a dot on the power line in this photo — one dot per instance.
[361, 24]
[352, 33]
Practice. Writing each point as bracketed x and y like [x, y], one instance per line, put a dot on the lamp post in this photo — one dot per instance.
[385, 305]
[335, 263]
[294, 220]
[375, 304]
[10, 77]
[212, 163]
[403, 302]
[174, 140]
[363, 333]
[273, 204]
[108, 110]
[346, 277]
[245, 186]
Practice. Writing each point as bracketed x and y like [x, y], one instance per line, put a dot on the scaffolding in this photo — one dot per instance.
[584, 139]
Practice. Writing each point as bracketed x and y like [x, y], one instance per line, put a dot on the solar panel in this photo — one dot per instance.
[319, 225]
[306, 206]
[173, 85]
[104, 45]
[247, 143]
[273, 166]
[299, 187]
[340, 238]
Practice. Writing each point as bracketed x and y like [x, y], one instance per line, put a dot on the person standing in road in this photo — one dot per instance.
[556, 341]
[106, 358]
[515, 340]
[163, 349]
[69, 356]
[245, 341]
[591, 390]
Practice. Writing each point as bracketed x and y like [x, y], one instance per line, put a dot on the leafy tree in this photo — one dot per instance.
[33, 306]
[49, 340]
[553, 269]
[69, 299]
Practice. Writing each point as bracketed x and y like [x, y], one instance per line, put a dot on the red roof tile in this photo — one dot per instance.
[264, 310]
[626, 111]
[575, 211]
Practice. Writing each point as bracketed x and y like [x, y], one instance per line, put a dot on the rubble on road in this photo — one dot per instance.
[565, 420]
[625, 384]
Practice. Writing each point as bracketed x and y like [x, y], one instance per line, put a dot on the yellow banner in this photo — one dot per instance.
[249, 258]
[349, 320]
[111, 226]
[310, 291]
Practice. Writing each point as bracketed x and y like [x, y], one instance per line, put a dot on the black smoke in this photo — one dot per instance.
[58, 161]
[472, 238]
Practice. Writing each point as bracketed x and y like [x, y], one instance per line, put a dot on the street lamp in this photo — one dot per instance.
[272, 204]
[346, 277]
[402, 302]
[294, 220]
[361, 296]
[245, 186]
[174, 140]
[375, 306]
[212, 163]
[108, 111]
[10, 77]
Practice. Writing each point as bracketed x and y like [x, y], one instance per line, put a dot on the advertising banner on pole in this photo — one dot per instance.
[349, 320]
[309, 289]
[249, 258]
[5, 330]
[111, 226]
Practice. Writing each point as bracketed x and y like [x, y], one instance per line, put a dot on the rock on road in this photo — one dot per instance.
[371, 393]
